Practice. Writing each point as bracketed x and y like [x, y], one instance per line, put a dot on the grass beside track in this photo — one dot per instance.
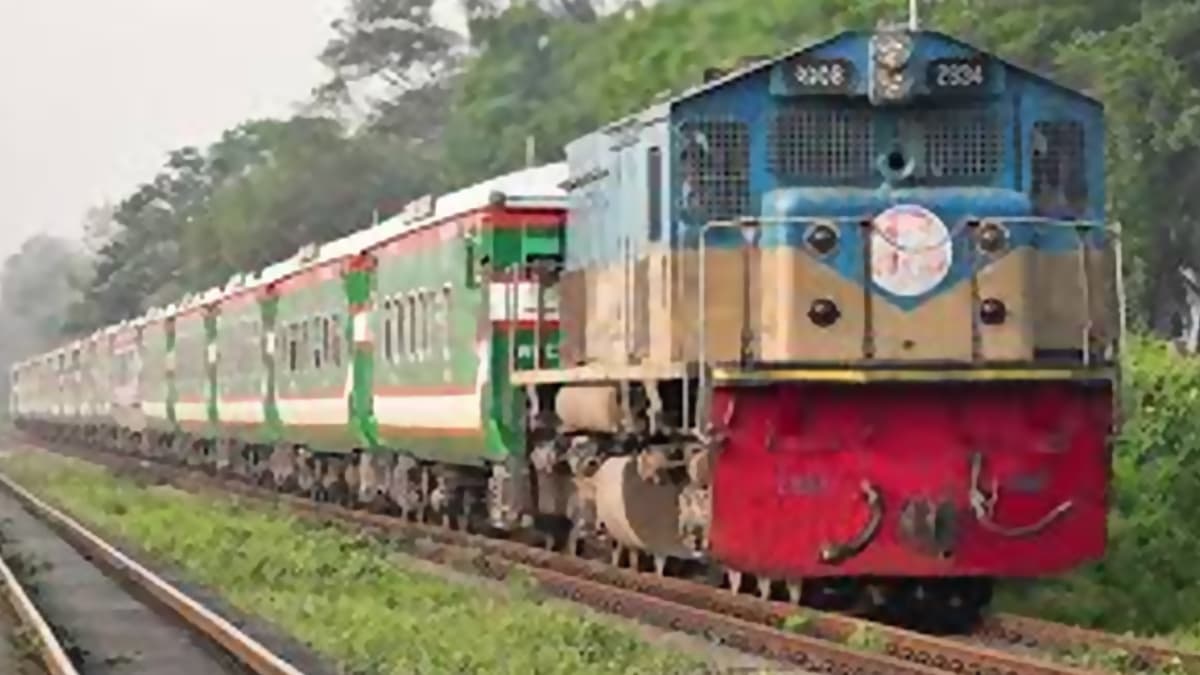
[346, 596]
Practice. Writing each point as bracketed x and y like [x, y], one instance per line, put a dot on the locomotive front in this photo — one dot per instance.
[848, 318]
[927, 387]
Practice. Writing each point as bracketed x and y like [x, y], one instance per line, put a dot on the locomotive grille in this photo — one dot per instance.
[817, 143]
[1059, 170]
[715, 156]
[960, 144]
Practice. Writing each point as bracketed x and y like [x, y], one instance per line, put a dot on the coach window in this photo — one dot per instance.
[388, 323]
[654, 192]
[328, 340]
[429, 308]
[321, 348]
[403, 328]
[432, 324]
[335, 340]
[328, 346]
[410, 320]
[298, 338]
[447, 320]
[418, 349]
[317, 344]
[301, 345]
[290, 331]
[426, 323]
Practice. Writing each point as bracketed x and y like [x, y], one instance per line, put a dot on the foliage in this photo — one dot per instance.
[34, 301]
[1146, 582]
[347, 596]
[1134, 56]
[434, 109]
[394, 41]
[254, 197]
[1154, 100]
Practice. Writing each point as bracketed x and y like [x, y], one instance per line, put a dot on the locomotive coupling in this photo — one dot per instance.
[930, 527]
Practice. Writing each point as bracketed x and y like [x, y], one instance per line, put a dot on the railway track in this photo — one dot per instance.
[90, 608]
[1133, 653]
[810, 639]
[31, 645]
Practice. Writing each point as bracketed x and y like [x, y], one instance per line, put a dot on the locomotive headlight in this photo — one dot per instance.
[824, 312]
[992, 312]
[891, 52]
[992, 238]
[892, 85]
[892, 49]
[821, 238]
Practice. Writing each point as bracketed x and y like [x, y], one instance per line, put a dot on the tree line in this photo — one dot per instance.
[411, 107]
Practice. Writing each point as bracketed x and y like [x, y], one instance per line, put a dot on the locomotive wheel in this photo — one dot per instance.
[831, 595]
[940, 606]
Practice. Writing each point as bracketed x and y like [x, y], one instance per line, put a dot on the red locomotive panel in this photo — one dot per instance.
[984, 478]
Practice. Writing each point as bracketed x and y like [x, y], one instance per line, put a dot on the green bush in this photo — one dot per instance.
[1147, 581]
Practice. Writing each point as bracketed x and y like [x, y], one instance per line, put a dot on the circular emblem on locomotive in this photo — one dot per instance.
[911, 250]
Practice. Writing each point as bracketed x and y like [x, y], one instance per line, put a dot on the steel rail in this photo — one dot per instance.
[909, 646]
[249, 652]
[51, 652]
[1041, 633]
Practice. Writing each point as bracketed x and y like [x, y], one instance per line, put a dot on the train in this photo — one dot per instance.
[842, 325]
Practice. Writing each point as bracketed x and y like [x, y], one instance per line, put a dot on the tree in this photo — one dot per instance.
[394, 45]
[37, 285]
[1147, 75]
[449, 109]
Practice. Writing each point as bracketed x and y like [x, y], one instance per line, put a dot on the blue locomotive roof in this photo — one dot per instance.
[845, 127]
[845, 37]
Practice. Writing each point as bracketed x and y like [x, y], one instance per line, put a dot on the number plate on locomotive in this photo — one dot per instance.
[957, 74]
[822, 75]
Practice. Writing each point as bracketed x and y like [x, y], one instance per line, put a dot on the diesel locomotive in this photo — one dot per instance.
[842, 324]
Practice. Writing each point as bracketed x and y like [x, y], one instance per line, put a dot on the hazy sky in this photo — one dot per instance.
[94, 93]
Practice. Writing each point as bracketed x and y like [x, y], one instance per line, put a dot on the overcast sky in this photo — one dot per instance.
[94, 93]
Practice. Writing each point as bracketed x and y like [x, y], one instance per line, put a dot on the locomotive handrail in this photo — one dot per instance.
[966, 222]
[1122, 325]
[983, 504]
[751, 226]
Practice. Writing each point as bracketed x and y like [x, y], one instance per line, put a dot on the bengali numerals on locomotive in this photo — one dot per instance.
[823, 75]
[957, 74]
